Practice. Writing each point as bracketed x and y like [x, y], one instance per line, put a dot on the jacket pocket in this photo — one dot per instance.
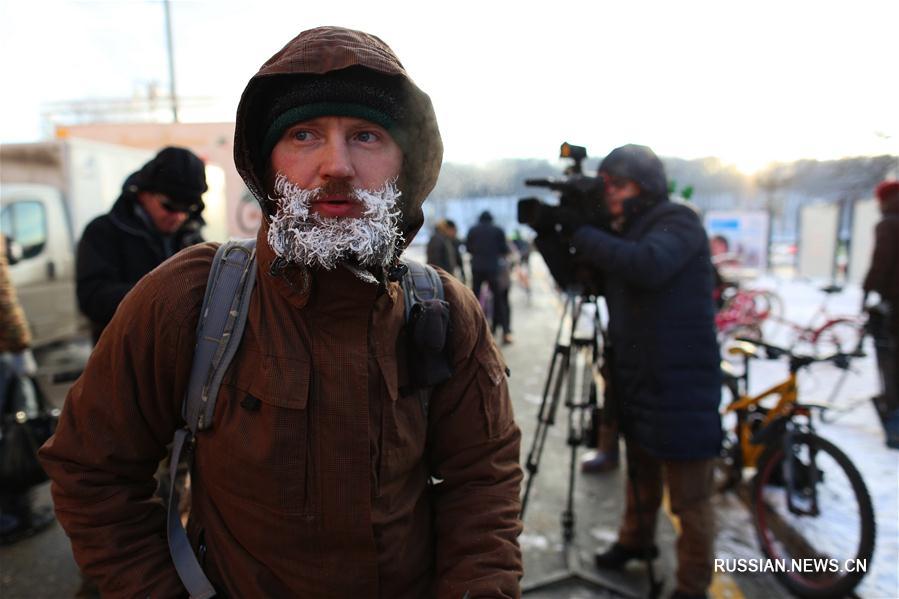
[259, 450]
[494, 391]
[406, 434]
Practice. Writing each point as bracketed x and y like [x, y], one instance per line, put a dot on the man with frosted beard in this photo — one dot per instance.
[322, 475]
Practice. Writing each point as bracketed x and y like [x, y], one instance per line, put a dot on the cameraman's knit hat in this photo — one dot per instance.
[639, 164]
[176, 172]
[355, 92]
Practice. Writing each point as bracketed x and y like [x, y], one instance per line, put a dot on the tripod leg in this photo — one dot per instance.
[546, 416]
[576, 404]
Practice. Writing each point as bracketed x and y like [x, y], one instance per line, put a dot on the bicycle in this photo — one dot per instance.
[825, 333]
[807, 499]
[744, 311]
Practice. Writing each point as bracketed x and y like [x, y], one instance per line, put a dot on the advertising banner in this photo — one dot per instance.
[738, 239]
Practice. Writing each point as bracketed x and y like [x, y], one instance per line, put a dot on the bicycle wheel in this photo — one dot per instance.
[840, 335]
[821, 551]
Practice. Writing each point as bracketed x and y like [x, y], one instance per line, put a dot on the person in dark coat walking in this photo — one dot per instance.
[488, 248]
[158, 214]
[665, 362]
[883, 277]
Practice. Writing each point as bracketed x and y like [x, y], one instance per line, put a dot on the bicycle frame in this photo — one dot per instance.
[819, 322]
[787, 393]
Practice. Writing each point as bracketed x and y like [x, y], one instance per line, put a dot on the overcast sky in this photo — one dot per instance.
[749, 82]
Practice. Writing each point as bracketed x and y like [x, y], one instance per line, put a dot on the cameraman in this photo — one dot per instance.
[654, 259]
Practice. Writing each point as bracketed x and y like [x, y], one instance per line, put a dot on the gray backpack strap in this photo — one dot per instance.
[219, 331]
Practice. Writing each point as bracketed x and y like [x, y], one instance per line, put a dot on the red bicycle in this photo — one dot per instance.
[743, 312]
[825, 333]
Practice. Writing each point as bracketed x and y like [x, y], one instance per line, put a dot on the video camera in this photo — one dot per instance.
[581, 195]
[577, 192]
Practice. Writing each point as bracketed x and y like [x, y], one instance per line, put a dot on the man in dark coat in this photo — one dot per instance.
[157, 214]
[488, 248]
[883, 277]
[665, 360]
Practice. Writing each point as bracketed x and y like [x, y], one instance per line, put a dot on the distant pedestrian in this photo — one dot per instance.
[883, 277]
[158, 213]
[452, 231]
[442, 252]
[489, 250]
[523, 267]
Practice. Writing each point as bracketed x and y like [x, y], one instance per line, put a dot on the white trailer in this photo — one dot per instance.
[49, 192]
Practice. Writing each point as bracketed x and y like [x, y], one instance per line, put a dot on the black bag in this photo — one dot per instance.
[25, 425]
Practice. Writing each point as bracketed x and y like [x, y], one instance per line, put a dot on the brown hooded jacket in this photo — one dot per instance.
[312, 480]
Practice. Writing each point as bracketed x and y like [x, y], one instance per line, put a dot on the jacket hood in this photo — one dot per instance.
[639, 164]
[320, 52]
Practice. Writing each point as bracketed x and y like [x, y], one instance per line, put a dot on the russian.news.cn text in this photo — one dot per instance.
[805, 565]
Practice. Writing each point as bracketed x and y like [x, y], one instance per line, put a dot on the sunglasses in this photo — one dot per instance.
[169, 206]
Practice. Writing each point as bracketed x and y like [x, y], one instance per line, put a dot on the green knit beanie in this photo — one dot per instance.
[356, 93]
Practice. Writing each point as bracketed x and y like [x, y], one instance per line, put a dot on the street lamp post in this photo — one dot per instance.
[168, 35]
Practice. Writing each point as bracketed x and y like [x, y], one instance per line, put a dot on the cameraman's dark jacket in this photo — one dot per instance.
[658, 287]
[116, 250]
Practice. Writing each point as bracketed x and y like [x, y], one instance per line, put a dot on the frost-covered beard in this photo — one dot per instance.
[301, 236]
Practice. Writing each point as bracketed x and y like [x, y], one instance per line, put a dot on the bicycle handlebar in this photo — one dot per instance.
[840, 359]
[772, 351]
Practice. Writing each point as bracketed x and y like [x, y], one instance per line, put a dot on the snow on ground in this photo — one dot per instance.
[852, 424]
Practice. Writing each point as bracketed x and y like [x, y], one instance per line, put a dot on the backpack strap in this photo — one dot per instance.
[222, 320]
[219, 331]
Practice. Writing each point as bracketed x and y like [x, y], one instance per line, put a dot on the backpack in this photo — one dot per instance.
[222, 319]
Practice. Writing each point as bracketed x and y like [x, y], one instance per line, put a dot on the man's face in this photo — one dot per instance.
[337, 154]
[166, 216]
[617, 190]
[334, 186]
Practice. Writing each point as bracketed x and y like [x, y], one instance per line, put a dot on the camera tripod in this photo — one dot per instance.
[572, 373]
[573, 369]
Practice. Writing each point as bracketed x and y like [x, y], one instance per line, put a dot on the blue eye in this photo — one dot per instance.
[301, 135]
[367, 136]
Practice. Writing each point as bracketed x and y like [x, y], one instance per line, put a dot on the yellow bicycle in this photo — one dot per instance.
[812, 513]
